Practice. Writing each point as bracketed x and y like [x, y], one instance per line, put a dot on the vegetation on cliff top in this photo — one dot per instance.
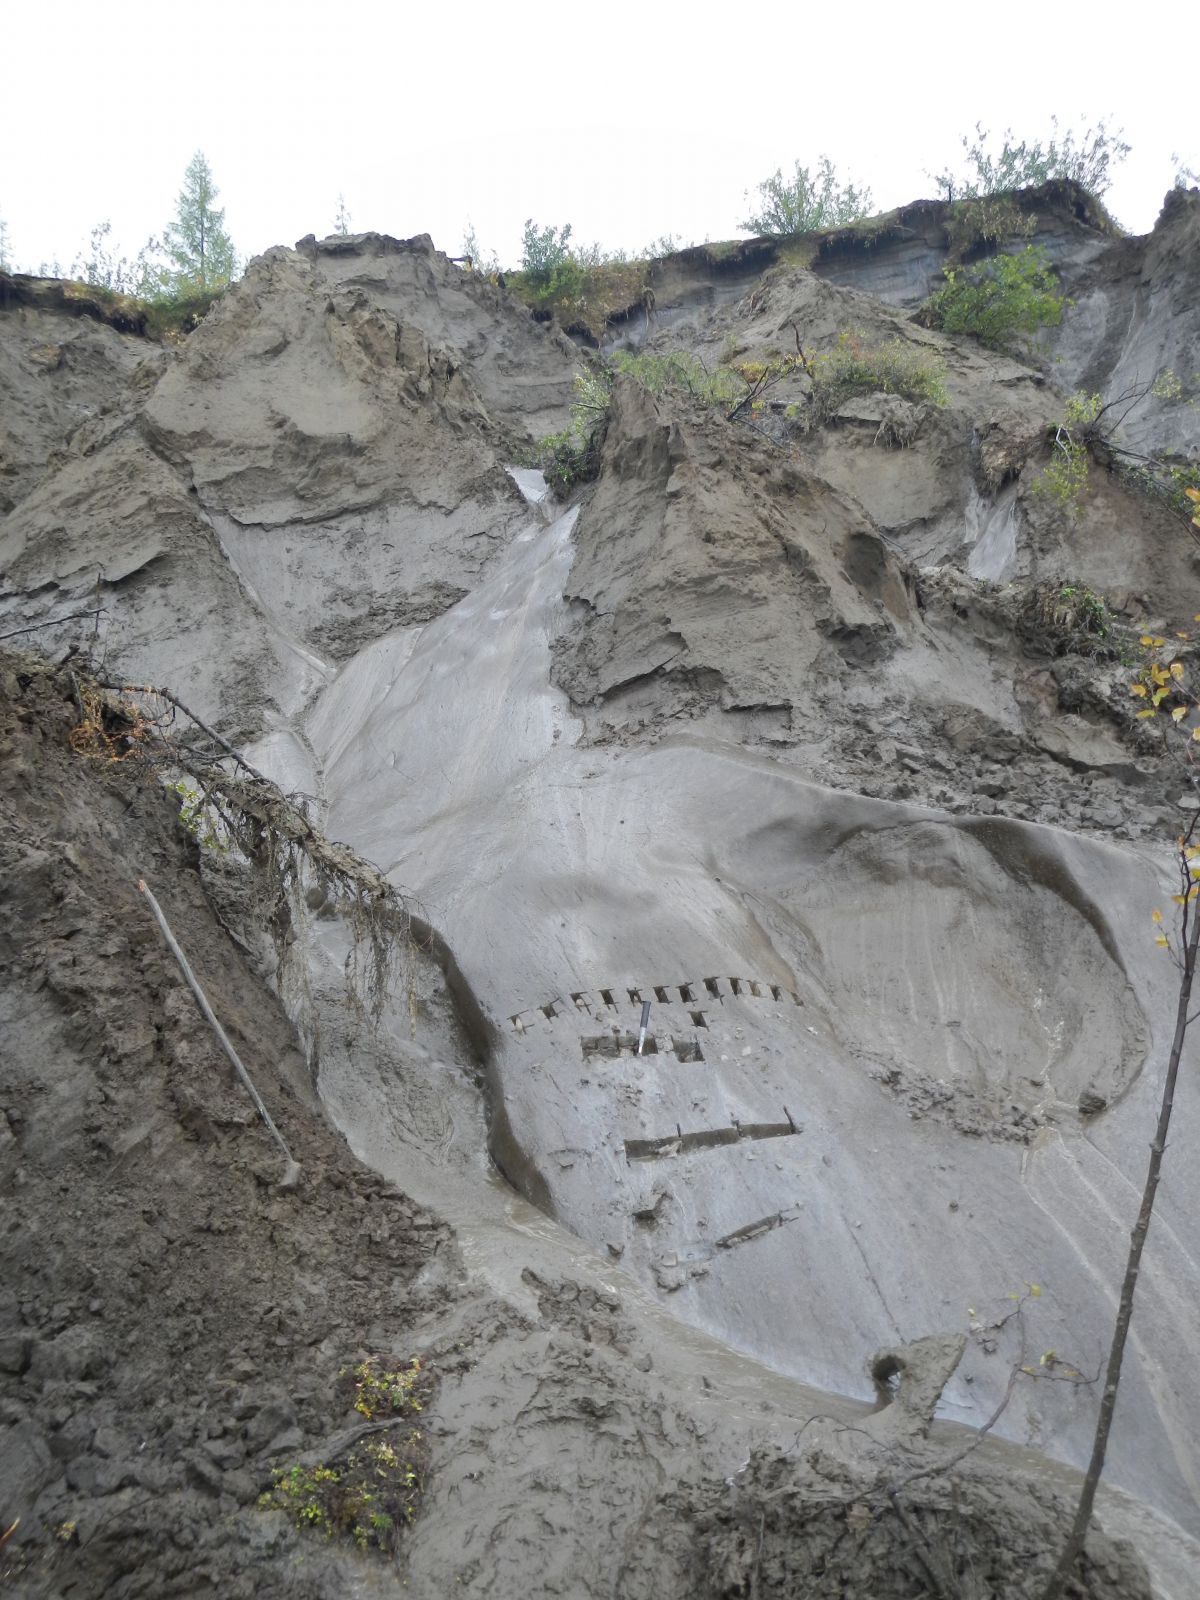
[811, 199]
[171, 282]
[999, 299]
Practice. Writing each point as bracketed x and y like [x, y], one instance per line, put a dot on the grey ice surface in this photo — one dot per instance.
[899, 986]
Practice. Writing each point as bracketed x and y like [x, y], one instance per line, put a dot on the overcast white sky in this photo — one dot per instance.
[627, 120]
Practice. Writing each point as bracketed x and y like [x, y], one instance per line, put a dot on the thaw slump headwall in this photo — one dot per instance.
[933, 997]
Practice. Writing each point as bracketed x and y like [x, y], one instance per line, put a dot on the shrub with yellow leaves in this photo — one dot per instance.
[1163, 683]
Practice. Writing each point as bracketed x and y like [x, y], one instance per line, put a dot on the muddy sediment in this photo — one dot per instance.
[785, 732]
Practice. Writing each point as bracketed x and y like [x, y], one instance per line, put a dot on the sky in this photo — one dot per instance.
[628, 121]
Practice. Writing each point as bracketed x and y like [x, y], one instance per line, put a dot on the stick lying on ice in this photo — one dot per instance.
[291, 1172]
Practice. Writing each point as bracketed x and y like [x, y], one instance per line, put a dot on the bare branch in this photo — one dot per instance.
[948, 1464]
[52, 622]
[291, 1171]
[210, 733]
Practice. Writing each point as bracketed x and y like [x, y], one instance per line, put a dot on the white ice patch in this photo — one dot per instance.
[531, 483]
[991, 531]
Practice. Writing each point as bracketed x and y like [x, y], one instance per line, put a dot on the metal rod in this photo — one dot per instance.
[642, 1029]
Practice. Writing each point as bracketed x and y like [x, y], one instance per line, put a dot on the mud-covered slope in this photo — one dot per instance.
[173, 1321]
[176, 1322]
[62, 360]
[308, 473]
[869, 615]
[779, 728]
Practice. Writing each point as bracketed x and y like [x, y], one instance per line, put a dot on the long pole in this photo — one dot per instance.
[291, 1172]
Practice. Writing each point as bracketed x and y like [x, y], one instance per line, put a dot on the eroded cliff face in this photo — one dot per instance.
[773, 730]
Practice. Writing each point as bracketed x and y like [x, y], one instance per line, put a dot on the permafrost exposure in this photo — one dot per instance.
[771, 728]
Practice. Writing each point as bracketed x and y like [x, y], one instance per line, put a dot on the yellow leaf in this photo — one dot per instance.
[1139, 689]
[1160, 695]
[1146, 639]
[1035, 1291]
[1192, 494]
[1177, 671]
[1163, 941]
[1177, 899]
[1179, 635]
[1155, 713]
[1179, 713]
[1196, 733]
[1156, 916]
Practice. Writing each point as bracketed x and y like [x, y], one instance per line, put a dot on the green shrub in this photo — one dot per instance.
[567, 458]
[545, 251]
[1084, 158]
[1070, 619]
[371, 1494]
[181, 313]
[584, 291]
[739, 388]
[1173, 486]
[573, 456]
[987, 220]
[1182, 486]
[1080, 610]
[808, 200]
[997, 299]
[201, 819]
[379, 1392]
[684, 373]
[854, 368]
[372, 1490]
[1065, 477]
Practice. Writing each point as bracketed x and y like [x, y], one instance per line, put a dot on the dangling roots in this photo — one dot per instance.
[290, 858]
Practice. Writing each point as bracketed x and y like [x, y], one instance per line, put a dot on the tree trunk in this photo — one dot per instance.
[1137, 1240]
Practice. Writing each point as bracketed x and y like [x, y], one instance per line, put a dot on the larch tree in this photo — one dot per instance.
[200, 252]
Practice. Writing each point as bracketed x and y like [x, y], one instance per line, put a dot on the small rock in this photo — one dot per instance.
[203, 1474]
[107, 1442]
[14, 1352]
[242, 1486]
[274, 1417]
[289, 1439]
[72, 1438]
[224, 1453]
[26, 1467]
[113, 1475]
[78, 1352]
